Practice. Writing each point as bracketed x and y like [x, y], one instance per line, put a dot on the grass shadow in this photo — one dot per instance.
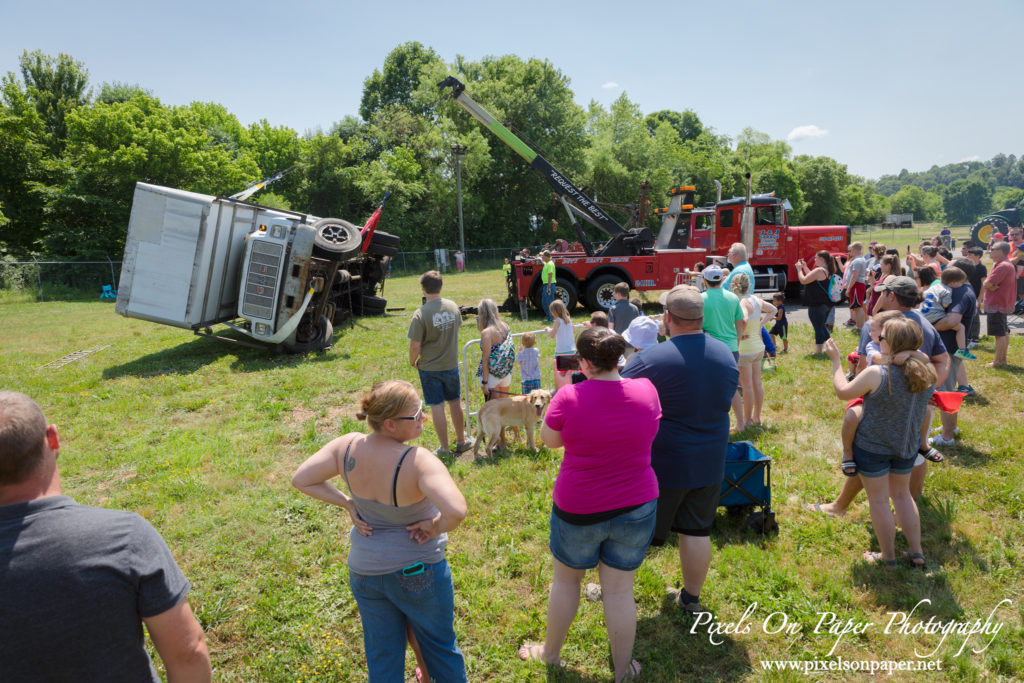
[190, 356]
[965, 456]
[658, 649]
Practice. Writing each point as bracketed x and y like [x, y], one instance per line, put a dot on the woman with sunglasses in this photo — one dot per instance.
[402, 502]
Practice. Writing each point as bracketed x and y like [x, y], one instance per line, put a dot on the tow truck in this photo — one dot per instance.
[688, 236]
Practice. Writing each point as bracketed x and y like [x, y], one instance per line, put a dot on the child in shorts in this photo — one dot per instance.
[937, 299]
[855, 408]
[781, 327]
[529, 363]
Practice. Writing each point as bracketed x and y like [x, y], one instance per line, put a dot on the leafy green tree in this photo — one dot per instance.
[822, 180]
[111, 147]
[1007, 198]
[23, 166]
[965, 200]
[277, 149]
[399, 79]
[686, 123]
[56, 86]
[112, 93]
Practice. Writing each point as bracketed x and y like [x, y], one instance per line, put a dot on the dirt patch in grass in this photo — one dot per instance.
[299, 415]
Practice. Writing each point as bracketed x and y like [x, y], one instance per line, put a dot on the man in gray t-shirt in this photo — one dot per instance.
[79, 582]
[856, 286]
[434, 352]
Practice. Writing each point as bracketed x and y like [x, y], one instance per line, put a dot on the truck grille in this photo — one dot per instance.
[261, 281]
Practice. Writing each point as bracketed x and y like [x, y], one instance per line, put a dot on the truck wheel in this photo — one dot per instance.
[319, 337]
[336, 238]
[385, 239]
[599, 292]
[373, 305]
[566, 291]
[982, 231]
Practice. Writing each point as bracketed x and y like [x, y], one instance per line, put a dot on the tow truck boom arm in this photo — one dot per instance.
[562, 186]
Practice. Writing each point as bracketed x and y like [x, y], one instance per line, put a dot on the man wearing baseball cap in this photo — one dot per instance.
[724, 320]
[696, 377]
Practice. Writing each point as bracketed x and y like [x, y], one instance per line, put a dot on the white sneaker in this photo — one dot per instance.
[938, 430]
[937, 440]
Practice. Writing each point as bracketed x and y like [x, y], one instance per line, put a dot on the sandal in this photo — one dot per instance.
[531, 653]
[849, 468]
[634, 671]
[914, 560]
[872, 557]
[463, 447]
[931, 454]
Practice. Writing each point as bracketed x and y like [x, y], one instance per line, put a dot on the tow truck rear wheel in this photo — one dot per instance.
[600, 292]
[564, 290]
[336, 238]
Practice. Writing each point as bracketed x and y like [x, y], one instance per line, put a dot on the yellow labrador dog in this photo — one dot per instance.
[518, 411]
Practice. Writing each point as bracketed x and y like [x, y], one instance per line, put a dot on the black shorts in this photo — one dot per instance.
[690, 512]
[997, 326]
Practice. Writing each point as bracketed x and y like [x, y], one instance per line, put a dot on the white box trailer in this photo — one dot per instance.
[193, 260]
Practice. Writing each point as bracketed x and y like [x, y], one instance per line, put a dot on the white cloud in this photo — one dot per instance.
[973, 157]
[610, 85]
[804, 132]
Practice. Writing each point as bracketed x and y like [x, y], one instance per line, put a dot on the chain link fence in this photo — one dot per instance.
[85, 280]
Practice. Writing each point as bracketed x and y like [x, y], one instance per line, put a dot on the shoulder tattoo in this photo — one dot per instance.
[350, 464]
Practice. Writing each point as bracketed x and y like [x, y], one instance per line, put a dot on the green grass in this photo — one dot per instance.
[201, 438]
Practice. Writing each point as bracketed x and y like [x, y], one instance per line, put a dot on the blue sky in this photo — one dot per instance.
[878, 86]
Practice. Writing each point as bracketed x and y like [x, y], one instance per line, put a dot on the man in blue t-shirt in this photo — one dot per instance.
[696, 377]
[737, 258]
[79, 582]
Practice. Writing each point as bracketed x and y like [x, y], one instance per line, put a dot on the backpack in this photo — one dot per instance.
[834, 289]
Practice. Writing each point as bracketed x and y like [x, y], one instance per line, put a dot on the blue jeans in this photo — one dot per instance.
[426, 602]
[818, 315]
[620, 542]
[440, 386]
[547, 295]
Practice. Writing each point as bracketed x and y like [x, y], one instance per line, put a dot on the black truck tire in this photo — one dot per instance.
[336, 239]
[385, 239]
[599, 292]
[372, 305]
[320, 338]
[564, 290]
[982, 231]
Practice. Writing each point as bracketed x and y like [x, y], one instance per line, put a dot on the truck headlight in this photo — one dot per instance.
[262, 329]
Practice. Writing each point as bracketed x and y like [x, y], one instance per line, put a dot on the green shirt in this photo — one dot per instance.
[721, 311]
[547, 274]
[435, 325]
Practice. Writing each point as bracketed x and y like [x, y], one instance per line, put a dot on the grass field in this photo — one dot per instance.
[201, 438]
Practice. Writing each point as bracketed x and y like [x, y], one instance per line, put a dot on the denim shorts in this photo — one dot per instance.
[530, 384]
[424, 601]
[620, 542]
[440, 386]
[875, 465]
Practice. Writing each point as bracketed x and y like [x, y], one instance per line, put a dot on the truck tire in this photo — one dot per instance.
[373, 305]
[982, 231]
[564, 290]
[385, 239]
[319, 338]
[336, 239]
[599, 292]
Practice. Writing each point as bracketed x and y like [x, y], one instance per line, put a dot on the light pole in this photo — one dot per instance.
[459, 151]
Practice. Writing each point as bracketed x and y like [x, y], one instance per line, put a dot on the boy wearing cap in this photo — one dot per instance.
[696, 377]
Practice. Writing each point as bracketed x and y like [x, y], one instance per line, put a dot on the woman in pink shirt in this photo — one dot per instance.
[605, 496]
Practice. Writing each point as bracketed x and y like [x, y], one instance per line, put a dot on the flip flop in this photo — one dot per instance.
[463, 447]
[931, 454]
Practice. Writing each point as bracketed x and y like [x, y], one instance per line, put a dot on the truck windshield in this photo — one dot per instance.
[769, 215]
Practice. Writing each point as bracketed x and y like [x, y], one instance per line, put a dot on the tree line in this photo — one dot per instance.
[70, 155]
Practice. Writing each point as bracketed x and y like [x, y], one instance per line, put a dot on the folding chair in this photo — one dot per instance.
[108, 292]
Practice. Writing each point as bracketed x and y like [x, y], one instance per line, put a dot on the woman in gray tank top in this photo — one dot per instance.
[895, 400]
[402, 503]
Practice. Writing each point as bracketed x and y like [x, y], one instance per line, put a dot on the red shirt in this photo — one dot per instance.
[1003, 298]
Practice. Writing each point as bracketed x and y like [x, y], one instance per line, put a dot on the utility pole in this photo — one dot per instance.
[460, 151]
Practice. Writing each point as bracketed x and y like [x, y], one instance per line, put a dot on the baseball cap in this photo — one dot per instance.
[901, 285]
[641, 333]
[713, 273]
[684, 302]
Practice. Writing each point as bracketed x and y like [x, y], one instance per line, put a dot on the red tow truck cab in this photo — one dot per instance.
[759, 222]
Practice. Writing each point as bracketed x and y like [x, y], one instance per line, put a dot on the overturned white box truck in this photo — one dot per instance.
[281, 278]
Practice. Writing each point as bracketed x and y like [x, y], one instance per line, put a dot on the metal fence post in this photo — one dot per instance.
[39, 277]
[113, 280]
